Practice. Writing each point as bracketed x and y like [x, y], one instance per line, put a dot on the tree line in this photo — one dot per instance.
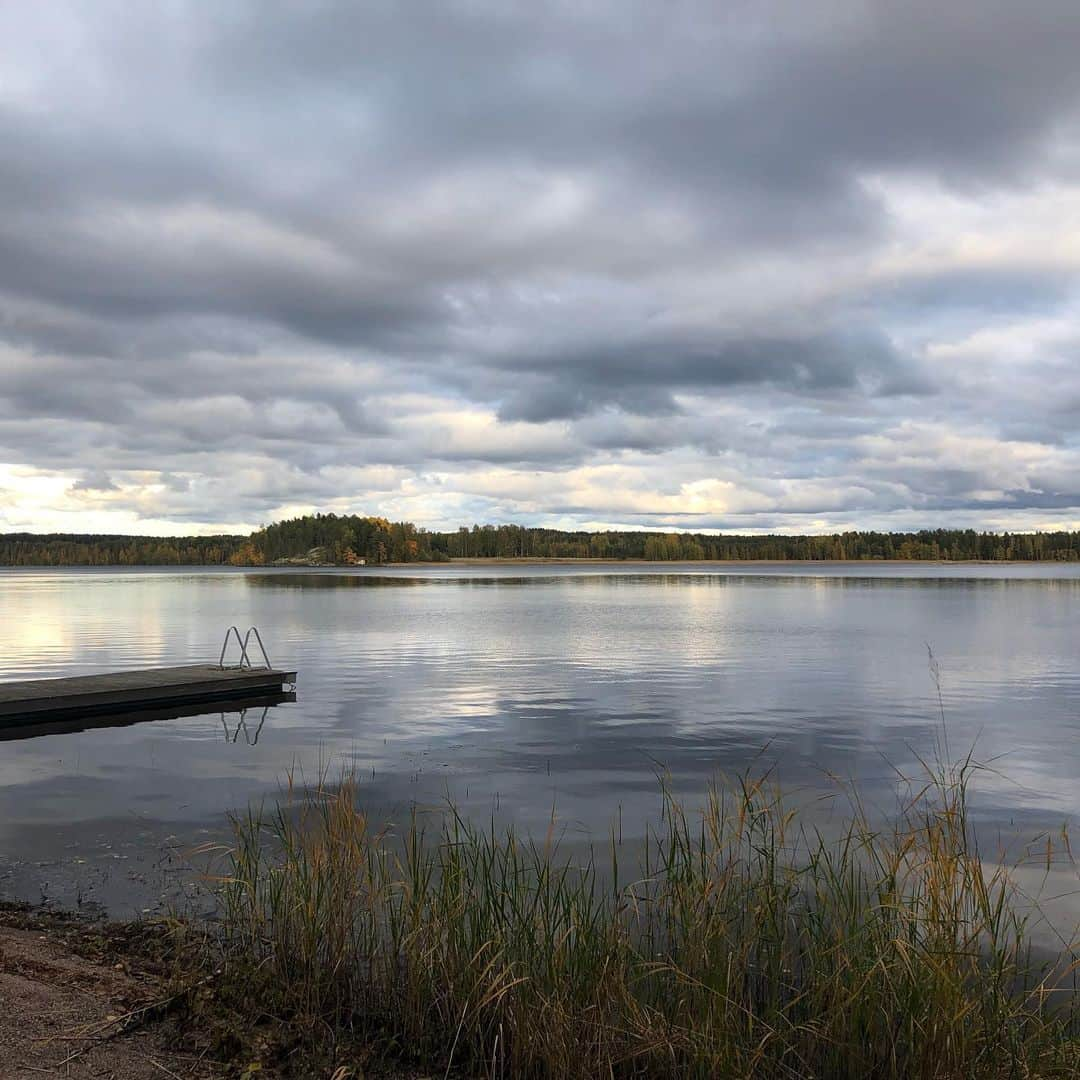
[510, 541]
[78, 549]
[344, 539]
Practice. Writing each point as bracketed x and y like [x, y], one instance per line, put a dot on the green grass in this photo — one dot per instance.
[741, 942]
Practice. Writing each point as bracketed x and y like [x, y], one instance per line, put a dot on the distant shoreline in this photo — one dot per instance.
[329, 540]
[533, 560]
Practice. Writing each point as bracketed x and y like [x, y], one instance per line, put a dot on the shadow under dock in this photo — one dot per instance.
[35, 729]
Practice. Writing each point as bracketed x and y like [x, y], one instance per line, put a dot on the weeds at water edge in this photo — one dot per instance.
[741, 943]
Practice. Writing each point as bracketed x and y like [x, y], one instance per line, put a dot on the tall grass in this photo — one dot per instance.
[740, 943]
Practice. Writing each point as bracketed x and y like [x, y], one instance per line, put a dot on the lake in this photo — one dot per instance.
[516, 689]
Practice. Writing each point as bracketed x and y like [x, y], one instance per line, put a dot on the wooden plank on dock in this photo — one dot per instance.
[35, 699]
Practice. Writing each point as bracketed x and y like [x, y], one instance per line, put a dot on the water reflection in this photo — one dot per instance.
[130, 717]
[832, 576]
[251, 733]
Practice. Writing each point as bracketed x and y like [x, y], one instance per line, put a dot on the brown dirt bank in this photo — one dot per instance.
[79, 1001]
[86, 1000]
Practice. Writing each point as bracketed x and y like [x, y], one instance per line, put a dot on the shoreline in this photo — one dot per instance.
[537, 560]
[84, 997]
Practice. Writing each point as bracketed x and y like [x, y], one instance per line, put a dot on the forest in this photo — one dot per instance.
[349, 539]
[84, 549]
[504, 541]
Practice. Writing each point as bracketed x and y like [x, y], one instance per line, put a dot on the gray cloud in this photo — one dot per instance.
[97, 481]
[640, 377]
[801, 263]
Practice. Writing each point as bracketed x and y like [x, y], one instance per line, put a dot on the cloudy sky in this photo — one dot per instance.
[755, 266]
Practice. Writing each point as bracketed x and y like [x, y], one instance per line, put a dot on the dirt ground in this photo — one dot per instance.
[69, 1008]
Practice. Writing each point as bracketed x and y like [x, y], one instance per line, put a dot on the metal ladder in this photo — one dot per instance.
[245, 660]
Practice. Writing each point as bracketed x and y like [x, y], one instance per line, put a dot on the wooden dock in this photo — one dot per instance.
[37, 700]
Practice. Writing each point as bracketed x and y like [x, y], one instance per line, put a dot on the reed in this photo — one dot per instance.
[741, 942]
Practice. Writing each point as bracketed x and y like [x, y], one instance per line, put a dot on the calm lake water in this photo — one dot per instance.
[516, 689]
